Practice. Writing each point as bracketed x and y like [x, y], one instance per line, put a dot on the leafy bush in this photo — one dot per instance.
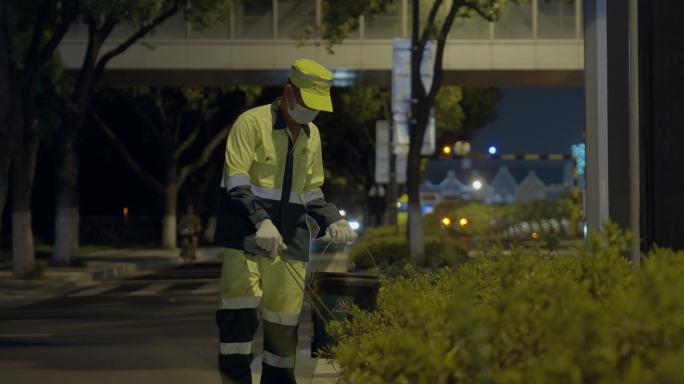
[36, 272]
[488, 219]
[381, 247]
[525, 317]
[543, 209]
[482, 218]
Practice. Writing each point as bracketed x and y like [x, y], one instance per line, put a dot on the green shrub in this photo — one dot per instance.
[527, 316]
[381, 247]
[36, 272]
[482, 218]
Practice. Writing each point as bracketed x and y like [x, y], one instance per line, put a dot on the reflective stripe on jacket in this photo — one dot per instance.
[267, 175]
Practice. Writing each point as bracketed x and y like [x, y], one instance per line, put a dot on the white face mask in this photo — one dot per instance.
[300, 114]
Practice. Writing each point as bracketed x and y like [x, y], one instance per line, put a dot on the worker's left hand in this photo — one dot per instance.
[341, 232]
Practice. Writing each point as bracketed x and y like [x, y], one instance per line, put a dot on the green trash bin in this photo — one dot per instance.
[339, 291]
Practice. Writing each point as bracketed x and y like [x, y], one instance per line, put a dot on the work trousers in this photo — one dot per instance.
[251, 284]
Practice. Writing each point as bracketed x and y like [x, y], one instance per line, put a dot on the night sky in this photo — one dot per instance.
[535, 120]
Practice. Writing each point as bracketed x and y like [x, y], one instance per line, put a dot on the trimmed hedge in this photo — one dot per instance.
[388, 250]
[525, 317]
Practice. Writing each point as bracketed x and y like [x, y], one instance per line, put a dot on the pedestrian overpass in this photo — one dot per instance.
[534, 43]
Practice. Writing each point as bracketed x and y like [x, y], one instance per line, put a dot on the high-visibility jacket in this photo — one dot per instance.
[268, 175]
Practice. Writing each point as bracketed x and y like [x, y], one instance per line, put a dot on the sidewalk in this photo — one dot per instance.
[99, 265]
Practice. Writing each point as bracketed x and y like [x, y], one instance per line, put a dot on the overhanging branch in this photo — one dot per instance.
[480, 12]
[49, 48]
[188, 141]
[43, 11]
[439, 55]
[431, 18]
[204, 157]
[426, 37]
[144, 30]
[130, 160]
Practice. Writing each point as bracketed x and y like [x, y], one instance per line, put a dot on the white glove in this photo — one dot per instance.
[267, 237]
[341, 232]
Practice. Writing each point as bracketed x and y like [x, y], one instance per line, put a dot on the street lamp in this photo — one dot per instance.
[492, 150]
[477, 185]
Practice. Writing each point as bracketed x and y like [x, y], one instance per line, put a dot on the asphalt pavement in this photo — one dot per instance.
[152, 328]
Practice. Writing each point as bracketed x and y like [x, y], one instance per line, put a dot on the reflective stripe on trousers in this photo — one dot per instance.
[249, 284]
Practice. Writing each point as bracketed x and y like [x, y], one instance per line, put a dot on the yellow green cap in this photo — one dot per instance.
[313, 81]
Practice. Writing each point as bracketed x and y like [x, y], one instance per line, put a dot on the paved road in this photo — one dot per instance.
[150, 329]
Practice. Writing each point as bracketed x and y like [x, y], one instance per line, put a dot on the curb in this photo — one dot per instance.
[325, 372]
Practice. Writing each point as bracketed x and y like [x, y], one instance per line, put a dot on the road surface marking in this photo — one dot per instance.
[24, 335]
[151, 289]
[206, 288]
[96, 290]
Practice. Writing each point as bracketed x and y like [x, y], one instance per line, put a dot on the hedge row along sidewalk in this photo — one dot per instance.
[525, 317]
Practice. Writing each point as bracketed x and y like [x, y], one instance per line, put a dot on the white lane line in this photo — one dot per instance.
[96, 290]
[151, 289]
[24, 335]
[206, 288]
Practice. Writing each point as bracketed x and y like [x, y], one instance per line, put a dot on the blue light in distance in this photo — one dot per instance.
[492, 150]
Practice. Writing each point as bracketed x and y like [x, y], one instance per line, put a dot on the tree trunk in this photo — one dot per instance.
[6, 131]
[169, 223]
[6, 151]
[23, 170]
[415, 218]
[4, 183]
[67, 215]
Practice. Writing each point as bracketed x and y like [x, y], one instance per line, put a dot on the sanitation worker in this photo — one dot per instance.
[272, 178]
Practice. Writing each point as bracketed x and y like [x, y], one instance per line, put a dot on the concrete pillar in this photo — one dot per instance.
[596, 109]
[661, 81]
[612, 191]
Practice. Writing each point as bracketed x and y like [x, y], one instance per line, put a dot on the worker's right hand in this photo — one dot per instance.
[341, 232]
[268, 238]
